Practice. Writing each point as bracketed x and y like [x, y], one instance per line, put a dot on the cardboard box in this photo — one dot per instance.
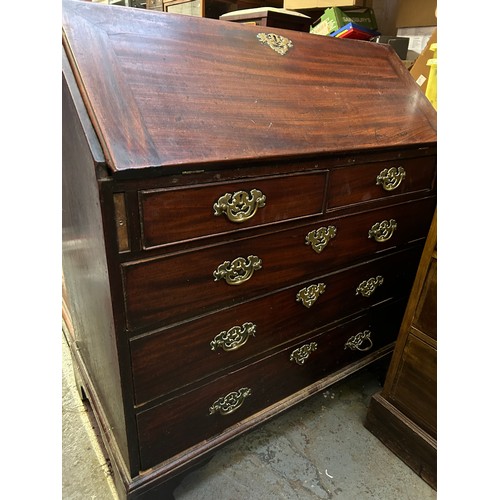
[420, 70]
[416, 13]
[335, 18]
[321, 4]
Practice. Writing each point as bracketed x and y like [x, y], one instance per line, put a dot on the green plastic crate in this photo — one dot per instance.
[336, 17]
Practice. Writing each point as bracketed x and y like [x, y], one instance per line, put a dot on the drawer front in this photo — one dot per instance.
[174, 215]
[218, 341]
[175, 357]
[172, 288]
[356, 184]
[180, 423]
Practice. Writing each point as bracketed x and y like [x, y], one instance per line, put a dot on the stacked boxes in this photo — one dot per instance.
[336, 17]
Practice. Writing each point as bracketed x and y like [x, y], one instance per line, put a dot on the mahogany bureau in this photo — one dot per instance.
[244, 210]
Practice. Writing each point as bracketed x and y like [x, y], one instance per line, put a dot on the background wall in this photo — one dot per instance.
[386, 12]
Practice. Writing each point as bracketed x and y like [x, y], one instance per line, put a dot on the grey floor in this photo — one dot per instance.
[317, 450]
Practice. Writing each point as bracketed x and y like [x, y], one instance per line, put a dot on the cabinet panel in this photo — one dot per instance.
[415, 385]
[426, 311]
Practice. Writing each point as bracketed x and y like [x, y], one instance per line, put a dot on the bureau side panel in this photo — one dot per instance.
[85, 270]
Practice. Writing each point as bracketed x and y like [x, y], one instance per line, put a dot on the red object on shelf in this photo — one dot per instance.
[352, 30]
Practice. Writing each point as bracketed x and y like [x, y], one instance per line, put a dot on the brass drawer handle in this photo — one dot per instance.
[383, 231]
[391, 178]
[301, 354]
[357, 340]
[238, 271]
[367, 287]
[234, 338]
[319, 238]
[228, 404]
[240, 206]
[310, 294]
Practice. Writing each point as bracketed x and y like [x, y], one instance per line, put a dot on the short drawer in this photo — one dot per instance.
[185, 354]
[174, 287]
[196, 416]
[174, 215]
[357, 184]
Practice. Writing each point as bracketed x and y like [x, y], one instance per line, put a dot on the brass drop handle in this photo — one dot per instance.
[240, 206]
[367, 287]
[228, 404]
[238, 271]
[301, 354]
[383, 231]
[234, 338]
[356, 341]
[310, 294]
[391, 178]
[319, 238]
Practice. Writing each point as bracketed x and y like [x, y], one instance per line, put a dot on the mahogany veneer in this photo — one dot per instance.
[241, 226]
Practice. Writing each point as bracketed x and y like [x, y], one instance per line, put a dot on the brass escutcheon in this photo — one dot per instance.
[238, 271]
[391, 178]
[382, 231]
[278, 43]
[357, 340]
[240, 206]
[233, 338]
[228, 404]
[319, 238]
[310, 294]
[367, 287]
[301, 354]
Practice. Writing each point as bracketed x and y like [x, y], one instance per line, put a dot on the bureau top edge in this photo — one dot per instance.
[299, 162]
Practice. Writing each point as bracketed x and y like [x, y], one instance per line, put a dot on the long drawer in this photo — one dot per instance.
[361, 183]
[172, 215]
[177, 286]
[175, 357]
[181, 422]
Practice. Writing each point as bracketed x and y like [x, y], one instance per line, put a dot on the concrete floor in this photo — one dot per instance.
[317, 450]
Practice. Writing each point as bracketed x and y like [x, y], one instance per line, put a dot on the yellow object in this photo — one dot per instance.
[431, 91]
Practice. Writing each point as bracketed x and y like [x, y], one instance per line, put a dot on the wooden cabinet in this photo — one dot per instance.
[243, 216]
[404, 414]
